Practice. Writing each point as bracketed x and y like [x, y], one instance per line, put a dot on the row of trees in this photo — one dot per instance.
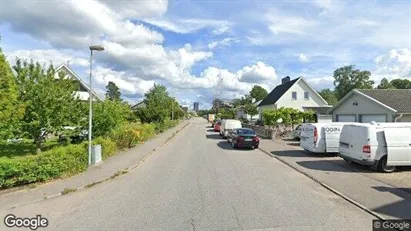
[34, 103]
[289, 116]
[348, 78]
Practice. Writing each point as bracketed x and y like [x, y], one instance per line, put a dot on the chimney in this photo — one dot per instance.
[285, 80]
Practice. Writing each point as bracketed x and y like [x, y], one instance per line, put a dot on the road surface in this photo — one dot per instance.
[198, 182]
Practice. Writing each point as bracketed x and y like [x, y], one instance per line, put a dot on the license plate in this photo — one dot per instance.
[248, 139]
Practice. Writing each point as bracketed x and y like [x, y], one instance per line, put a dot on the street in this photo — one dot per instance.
[198, 182]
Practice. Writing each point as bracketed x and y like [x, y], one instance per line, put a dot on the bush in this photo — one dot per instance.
[61, 161]
[129, 135]
[108, 147]
[166, 124]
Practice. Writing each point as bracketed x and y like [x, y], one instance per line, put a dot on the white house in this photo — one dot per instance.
[296, 94]
[379, 105]
[83, 91]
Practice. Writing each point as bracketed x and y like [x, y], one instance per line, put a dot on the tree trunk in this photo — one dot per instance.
[38, 146]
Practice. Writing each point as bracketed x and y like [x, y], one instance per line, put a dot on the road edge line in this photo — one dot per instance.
[329, 188]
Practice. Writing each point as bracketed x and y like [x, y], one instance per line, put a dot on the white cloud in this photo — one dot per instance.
[47, 56]
[127, 83]
[222, 43]
[138, 8]
[185, 26]
[257, 73]
[394, 64]
[280, 23]
[303, 58]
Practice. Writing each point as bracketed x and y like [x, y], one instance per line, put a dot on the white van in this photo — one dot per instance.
[321, 137]
[227, 125]
[382, 146]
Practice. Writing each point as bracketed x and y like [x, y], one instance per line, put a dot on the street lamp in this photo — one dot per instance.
[90, 119]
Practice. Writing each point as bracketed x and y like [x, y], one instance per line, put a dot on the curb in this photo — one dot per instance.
[119, 173]
[356, 203]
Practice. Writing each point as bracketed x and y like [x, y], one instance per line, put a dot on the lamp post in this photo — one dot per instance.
[90, 97]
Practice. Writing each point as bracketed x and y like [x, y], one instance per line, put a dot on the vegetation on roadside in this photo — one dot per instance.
[38, 103]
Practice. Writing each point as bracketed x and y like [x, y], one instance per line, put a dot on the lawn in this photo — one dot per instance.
[27, 147]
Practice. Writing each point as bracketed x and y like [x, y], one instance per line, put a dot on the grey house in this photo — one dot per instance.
[379, 105]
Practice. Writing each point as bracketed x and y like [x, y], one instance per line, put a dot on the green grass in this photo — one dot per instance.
[25, 148]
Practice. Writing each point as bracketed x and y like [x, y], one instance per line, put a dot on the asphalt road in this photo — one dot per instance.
[197, 182]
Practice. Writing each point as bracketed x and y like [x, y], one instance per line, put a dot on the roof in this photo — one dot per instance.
[398, 99]
[278, 91]
[257, 103]
[320, 110]
[139, 105]
[63, 65]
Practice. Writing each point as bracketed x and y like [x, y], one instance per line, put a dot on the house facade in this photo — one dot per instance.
[295, 93]
[379, 105]
[83, 92]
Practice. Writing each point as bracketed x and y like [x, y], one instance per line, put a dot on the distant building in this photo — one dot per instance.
[138, 105]
[196, 106]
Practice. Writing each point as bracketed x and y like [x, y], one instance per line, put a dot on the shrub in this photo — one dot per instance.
[61, 161]
[108, 147]
[129, 135]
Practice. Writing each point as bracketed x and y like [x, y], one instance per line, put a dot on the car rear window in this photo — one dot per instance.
[245, 132]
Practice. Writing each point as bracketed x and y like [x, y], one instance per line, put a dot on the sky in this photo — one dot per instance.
[200, 49]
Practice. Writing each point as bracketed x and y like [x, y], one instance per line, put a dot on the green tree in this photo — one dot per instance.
[113, 92]
[226, 113]
[251, 110]
[108, 115]
[401, 83]
[157, 107]
[348, 78]
[258, 93]
[329, 96]
[11, 110]
[49, 102]
[385, 84]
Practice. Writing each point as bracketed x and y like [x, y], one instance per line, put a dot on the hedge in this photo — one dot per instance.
[71, 159]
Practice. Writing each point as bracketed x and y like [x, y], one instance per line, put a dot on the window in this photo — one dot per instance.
[294, 95]
[306, 96]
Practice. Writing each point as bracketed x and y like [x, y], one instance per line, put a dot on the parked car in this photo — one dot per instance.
[217, 126]
[243, 138]
[382, 146]
[297, 132]
[228, 125]
[321, 137]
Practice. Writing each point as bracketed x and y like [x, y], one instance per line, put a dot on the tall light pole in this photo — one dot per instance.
[90, 97]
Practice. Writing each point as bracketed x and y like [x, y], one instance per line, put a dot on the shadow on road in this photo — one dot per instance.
[227, 146]
[210, 130]
[398, 209]
[333, 166]
[294, 144]
[298, 153]
[214, 136]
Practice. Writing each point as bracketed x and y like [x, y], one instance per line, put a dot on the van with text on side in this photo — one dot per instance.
[381, 146]
[321, 137]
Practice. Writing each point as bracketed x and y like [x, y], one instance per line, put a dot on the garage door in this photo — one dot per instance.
[345, 118]
[376, 118]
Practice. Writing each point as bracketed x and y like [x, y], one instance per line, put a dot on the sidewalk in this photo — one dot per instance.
[387, 201]
[123, 161]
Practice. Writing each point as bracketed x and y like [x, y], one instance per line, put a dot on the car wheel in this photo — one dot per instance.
[256, 147]
[383, 167]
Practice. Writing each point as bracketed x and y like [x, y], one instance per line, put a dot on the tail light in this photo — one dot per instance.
[366, 149]
[315, 135]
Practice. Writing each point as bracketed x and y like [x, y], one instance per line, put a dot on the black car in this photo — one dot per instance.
[243, 138]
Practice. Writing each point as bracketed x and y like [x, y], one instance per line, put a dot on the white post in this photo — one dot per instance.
[90, 110]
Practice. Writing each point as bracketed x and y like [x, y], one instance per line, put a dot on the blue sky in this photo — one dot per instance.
[197, 48]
